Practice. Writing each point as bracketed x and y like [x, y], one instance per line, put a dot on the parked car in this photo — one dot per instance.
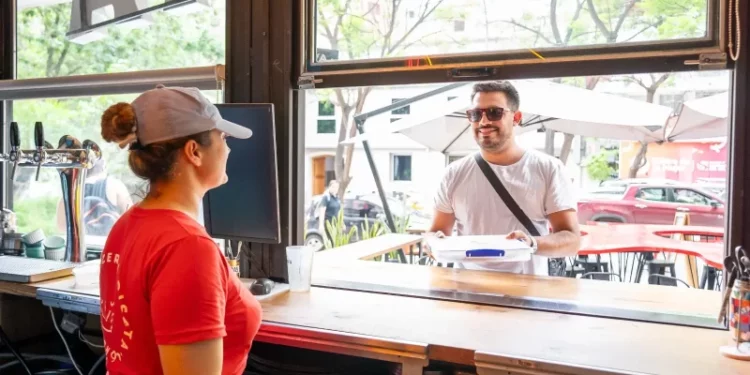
[622, 184]
[653, 204]
[717, 189]
[357, 210]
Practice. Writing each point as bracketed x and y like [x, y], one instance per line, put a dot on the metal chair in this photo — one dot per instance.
[605, 276]
[657, 279]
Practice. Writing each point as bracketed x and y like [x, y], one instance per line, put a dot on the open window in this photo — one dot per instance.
[344, 39]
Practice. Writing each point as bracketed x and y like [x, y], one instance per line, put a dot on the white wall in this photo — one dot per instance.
[427, 170]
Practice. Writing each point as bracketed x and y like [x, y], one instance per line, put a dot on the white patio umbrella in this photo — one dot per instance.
[558, 107]
[700, 119]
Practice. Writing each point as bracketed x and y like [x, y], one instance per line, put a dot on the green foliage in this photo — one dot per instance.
[44, 51]
[36, 214]
[598, 167]
[170, 42]
[679, 18]
[368, 232]
[402, 223]
[339, 235]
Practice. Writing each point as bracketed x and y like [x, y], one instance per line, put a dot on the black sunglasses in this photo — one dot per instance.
[493, 114]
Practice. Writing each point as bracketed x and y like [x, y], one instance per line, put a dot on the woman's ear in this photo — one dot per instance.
[193, 153]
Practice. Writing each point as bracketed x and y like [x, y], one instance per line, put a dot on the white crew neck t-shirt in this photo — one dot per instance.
[539, 185]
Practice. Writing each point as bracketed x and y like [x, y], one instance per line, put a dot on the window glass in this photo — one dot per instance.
[401, 166]
[111, 183]
[401, 111]
[376, 29]
[326, 126]
[653, 194]
[691, 197]
[187, 36]
[624, 182]
[325, 108]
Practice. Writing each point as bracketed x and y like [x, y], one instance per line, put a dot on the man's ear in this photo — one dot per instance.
[517, 117]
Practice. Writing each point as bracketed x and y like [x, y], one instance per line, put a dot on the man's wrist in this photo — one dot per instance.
[534, 245]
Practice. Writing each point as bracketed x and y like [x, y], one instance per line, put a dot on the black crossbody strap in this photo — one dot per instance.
[505, 195]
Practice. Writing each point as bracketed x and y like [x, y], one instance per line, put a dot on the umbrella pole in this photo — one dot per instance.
[376, 176]
[359, 121]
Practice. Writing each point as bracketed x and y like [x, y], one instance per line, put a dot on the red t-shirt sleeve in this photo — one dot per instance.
[188, 292]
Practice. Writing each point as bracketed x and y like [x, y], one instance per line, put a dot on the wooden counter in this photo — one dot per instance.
[413, 331]
[454, 331]
[643, 297]
[492, 337]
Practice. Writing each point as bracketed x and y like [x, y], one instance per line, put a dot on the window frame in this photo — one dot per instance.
[631, 57]
[260, 77]
[393, 167]
[211, 77]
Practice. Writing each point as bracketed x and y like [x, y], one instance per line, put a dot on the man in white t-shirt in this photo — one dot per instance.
[536, 181]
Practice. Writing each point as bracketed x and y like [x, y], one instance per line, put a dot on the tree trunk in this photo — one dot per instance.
[567, 146]
[549, 142]
[344, 178]
[338, 161]
[640, 159]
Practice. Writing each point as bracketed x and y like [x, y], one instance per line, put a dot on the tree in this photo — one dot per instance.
[620, 21]
[44, 51]
[599, 167]
[381, 29]
[656, 81]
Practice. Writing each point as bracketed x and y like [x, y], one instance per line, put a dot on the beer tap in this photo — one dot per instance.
[93, 147]
[15, 148]
[72, 160]
[39, 155]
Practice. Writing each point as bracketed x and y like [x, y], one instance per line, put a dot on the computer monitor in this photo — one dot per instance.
[247, 207]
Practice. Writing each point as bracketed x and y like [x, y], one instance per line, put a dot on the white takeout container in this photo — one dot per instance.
[456, 249]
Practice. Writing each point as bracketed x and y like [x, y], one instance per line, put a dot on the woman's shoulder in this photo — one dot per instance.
[166, 225]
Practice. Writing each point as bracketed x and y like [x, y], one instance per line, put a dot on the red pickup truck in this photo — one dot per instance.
[652, 204]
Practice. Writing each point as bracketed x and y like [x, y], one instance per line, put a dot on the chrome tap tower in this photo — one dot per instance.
[72, 160]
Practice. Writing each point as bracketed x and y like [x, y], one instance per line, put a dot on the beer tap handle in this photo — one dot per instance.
[39, 143]
[15, 145]
[15, 136]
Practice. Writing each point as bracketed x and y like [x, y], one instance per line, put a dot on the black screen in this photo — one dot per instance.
[247, 207]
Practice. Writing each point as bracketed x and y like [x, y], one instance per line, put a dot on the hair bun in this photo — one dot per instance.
[118, 122]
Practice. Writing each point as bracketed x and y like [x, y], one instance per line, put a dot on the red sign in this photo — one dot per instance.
[686, 162]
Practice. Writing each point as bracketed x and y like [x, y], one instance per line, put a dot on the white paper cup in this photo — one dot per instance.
[299, 260]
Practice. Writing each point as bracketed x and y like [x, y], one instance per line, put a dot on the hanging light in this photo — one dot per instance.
[190, 7]
[89, 26]
[100, 15]
[141, 22]
[89, 36]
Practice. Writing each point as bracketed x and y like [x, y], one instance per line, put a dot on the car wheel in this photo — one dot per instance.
[315, 241]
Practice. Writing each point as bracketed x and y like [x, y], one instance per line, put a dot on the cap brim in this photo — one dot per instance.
[233, 130]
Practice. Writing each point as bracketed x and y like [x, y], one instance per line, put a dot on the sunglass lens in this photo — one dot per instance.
[474, 115]
[494, 114]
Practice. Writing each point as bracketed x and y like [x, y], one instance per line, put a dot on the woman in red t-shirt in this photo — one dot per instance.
[169, 302]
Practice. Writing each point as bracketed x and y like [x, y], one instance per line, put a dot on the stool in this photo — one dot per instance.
[593, 265]
[709, 277]
[573, 271]
[660, 267]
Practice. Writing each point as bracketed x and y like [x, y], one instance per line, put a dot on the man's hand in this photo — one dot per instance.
[520, 235]
[426, 244]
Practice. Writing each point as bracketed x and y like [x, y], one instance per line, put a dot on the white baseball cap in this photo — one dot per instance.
[167, 113]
